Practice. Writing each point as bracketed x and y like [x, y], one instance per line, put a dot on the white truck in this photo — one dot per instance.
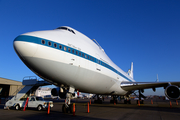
[33, 102]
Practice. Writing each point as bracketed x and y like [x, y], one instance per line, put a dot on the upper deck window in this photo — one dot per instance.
[65, 28]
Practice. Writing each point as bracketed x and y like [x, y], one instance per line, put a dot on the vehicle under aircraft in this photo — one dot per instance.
[70, 60]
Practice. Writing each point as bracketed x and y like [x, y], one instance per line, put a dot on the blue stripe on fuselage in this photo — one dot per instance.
[38, 40]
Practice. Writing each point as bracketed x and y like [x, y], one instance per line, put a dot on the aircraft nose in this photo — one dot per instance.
[24, 46]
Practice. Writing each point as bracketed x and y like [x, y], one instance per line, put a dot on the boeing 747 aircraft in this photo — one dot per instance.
[72, 61]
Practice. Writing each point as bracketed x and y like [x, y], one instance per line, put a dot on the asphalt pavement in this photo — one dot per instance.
[159, 110]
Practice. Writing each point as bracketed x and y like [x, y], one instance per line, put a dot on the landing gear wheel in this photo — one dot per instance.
[141, 101]
[127, 101]
[113, 101]
[47, 108]
[17, 107]
[71, 108]
[98, 101]
[64, 109]
[39, 108]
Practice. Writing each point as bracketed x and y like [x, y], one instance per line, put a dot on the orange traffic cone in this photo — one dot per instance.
[170, 104]
[73, 109]
[176, 102]
[151, 101]
[138, 102]
[48, 108]
[88, 107]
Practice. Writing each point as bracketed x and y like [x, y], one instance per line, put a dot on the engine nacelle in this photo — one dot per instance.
[55, 92]
[172, 92]
[61, 92]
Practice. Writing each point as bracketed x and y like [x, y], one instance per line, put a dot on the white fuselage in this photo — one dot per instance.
[70, 58]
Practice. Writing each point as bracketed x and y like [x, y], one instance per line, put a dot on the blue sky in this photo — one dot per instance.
[146, 32]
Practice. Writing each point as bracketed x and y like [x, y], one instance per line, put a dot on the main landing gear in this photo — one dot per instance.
[127, 100]
[114, 99]
[141, 96]
[98, 100]
[67, 106]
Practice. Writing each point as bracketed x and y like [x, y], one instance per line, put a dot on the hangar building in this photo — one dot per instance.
[9, 87]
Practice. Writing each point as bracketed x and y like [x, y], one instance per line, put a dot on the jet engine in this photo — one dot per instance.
[172, 92]
[60, 91]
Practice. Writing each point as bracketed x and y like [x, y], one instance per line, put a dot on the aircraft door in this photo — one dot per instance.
[98, 63]
[71, 58]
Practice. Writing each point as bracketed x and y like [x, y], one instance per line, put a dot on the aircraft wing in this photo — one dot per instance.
[130, 86]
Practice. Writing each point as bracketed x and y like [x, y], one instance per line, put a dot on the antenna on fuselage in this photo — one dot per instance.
[157, 80]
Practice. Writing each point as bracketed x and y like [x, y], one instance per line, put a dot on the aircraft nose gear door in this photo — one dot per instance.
[98, 63]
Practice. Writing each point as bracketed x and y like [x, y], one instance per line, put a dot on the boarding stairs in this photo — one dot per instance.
[20, 88]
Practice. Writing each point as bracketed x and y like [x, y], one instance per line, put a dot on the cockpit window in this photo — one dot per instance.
[65, 28]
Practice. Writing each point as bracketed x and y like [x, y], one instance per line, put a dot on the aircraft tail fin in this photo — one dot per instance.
[130, 72]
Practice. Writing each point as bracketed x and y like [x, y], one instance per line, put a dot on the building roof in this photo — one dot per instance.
[9, 82]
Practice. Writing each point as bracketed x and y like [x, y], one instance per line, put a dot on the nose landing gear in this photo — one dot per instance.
[67, 106]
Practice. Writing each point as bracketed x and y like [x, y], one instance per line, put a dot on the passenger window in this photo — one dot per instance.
[82, 54]
[43, 41]
[76, 52]
[64, 48]
[85, 56]
[60, 47]
[69, 50]
[73, 51]
[49, 43]
[79, 53]
[55, 45]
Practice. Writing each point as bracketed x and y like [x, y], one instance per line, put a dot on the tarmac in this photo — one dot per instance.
[159, 110]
